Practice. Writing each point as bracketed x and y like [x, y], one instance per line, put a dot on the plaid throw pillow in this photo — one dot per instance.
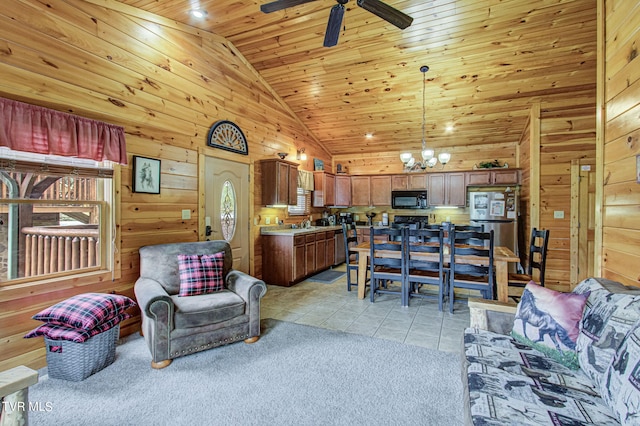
[60, 332]
[85, 311]
[200, 273]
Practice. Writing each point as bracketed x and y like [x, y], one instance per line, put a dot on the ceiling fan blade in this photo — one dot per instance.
[386, 12]
[334, 25]
[274, 6]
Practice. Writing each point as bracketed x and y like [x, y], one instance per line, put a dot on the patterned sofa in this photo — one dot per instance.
[508, 382]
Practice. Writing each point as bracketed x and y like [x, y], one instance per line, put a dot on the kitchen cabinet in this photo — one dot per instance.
[279, 182]
[330, 252]
[409, 182]
[299, 270]
[380, 190]
[343, 190]
[493, 177]
[371, 190]
[288, 259]
[309, 254]
[324, 192]
[417, 181]
[360, 190]
[447, 189]
[399, 182]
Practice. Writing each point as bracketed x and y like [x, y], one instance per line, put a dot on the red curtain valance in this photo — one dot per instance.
[30, 128]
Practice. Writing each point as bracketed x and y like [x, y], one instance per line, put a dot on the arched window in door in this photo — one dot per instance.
[228, 210]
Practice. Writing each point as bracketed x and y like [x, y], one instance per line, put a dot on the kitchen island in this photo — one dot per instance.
[290, 255]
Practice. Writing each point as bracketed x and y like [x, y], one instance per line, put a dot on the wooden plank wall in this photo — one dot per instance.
[621, 189]
[462, 158]
[566, 134]
[166, 84]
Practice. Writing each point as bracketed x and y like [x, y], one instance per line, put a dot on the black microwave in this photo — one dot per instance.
[409, 199]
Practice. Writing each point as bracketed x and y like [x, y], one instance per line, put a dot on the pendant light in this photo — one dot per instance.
[428, 154]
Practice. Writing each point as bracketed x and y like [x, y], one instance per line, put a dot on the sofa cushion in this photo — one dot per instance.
[549, 321]
[621, 388]
[200, 273]
[85, 311]
[207, 309]
[607, 319]
[511, 383]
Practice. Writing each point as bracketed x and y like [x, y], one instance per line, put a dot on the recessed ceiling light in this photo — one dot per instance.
[198, 13]
[449, 128]
[368, 135]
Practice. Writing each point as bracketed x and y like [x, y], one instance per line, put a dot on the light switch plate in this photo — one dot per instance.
[558, 214]
[186, 214]
[267, 220]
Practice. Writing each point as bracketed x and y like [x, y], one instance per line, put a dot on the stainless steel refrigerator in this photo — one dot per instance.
[497, 211]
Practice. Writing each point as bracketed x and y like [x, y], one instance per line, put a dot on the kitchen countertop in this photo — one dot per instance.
[285, 230]
[282, 230]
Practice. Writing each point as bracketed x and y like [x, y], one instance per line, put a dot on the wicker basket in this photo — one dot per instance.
[76, 361]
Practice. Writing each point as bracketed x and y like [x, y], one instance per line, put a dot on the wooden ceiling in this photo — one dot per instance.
[489, 61]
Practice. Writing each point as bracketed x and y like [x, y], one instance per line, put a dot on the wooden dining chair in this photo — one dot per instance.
[386, 268]
[420, 271]
[537, 260]
[476, 228]
[471, 263]
[351, 257]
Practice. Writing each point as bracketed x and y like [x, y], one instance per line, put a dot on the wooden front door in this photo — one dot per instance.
[227, 207]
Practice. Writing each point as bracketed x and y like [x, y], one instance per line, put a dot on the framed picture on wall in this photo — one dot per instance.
[146, 175]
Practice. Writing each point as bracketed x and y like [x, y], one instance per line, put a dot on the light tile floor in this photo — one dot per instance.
[332, 306]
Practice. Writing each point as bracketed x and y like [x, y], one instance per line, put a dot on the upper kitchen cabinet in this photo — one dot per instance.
[360, 190]
[343, 190]
[493, 177]
[324, 192]
[409, 182]
[447, 189]
[279, 182]
[371, 190]
[380, 193]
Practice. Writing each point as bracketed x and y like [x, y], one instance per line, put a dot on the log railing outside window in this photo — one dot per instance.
[51, 249]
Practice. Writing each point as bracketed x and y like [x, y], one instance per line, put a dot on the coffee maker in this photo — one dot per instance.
[345, 218]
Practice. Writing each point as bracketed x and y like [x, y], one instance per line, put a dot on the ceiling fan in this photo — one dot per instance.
[382, 10]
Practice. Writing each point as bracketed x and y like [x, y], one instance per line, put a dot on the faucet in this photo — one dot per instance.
[305, 224]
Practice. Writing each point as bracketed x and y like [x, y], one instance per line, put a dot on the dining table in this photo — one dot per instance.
[502, 256]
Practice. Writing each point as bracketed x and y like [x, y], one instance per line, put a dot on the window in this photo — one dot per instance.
[303, 206]
[228, 210]
[55, 216]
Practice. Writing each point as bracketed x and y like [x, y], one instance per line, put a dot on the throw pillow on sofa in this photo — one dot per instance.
[200, 273]
[85, 311]
[549, 321]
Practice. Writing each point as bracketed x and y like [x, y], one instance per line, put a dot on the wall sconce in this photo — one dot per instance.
[300, 155]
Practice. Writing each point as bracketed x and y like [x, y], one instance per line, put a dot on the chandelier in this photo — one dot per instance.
[429, 158]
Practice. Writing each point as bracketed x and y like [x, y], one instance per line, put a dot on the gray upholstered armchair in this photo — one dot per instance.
[174, 326]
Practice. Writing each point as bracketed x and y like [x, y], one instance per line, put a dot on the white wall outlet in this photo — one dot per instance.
[558, 214]
[267, 220]
[186, 214]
